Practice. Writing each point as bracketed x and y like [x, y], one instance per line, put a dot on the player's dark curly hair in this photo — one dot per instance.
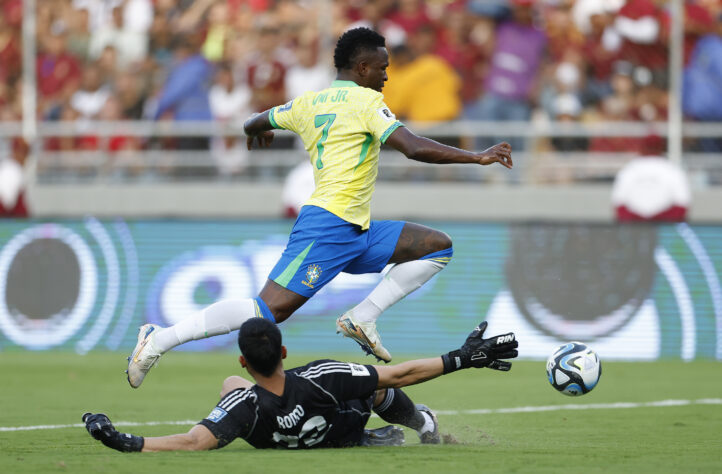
[260, 343]
[353, 42]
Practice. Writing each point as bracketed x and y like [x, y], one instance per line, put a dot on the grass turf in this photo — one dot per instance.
[56, 388]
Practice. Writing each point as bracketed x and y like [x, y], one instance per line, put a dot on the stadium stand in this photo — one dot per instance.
[593, 62]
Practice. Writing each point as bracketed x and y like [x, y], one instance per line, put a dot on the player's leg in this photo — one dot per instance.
[394, 406]
[274, 303]
[419, 253]
[219, 318]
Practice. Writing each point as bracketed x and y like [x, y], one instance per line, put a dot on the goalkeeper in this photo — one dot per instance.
[323, 404]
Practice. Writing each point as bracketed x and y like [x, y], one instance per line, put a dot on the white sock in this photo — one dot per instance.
[428, 424]
[402, 279]
[219, 318]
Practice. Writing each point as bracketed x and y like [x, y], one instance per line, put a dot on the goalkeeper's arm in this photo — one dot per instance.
[199, 438]
[476, 352]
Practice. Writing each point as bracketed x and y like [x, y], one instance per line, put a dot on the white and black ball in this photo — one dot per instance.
[574, 369]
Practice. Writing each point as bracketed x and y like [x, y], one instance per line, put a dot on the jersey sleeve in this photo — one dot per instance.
[284, 116]
[380, 121]
[233, 417]
[342, 380]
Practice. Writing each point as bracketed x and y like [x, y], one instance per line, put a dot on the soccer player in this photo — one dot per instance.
[342, 128]
[323, 404]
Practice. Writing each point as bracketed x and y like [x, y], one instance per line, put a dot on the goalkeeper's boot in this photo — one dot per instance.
[429, 436]
[386, 436]
[365, 334]
[144, 356]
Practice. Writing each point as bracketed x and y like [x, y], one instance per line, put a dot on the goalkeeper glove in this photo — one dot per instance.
[100, 428]
[479, 352]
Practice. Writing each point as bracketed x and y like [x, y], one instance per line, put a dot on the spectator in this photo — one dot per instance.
[614, 108]
[112, 111]
[374, 15]
[58, 73]
[562, 34]
[600, 48]
[100, 12]
[458, 48]
[308, 73]
[651, 188]
[185, 92]
[410, 15]
[567, 108]
[230, 102]
[511, 82]
[138, 16]
[128, 89]
[12, 181]
[702, 86]
[422, 86]
[90, 98]
[10, 59]
[78, 23]
[702, 91]
[638, 23]
[266, 72]
[161, 43]
[219, 30]
[130, 46]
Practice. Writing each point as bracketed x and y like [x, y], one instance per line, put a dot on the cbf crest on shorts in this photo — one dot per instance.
[312, 275]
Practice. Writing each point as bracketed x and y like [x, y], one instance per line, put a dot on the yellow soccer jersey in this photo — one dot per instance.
[342, 128]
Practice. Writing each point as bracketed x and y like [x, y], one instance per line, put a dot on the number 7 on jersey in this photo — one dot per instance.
[325, 121]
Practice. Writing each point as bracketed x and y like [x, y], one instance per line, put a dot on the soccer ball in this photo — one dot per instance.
[574, 369]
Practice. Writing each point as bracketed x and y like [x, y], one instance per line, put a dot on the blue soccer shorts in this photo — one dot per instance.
[322, 245]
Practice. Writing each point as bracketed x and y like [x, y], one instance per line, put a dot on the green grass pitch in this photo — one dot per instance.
[56, 388]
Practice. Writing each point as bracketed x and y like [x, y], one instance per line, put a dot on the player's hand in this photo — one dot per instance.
[263, 139]
[100, 427]
[499, 153]
[479, 352]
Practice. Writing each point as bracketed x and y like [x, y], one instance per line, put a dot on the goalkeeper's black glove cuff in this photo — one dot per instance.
[125, 442]
[453, 361]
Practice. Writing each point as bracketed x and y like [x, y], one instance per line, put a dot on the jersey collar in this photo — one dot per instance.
[339, 83]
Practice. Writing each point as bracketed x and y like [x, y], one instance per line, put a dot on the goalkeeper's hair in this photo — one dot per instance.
[354, 42]
[260, 343]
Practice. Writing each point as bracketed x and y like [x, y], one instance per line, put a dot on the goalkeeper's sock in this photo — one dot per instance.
[219, 318]
[402, 279]
[398, 408]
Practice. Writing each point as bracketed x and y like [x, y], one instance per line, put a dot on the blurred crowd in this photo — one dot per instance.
[498, 60]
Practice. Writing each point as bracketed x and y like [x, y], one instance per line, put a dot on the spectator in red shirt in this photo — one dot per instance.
[410, 15]
[58, 73]
[639, 24]
[10, 59]
[463, 54]
[266, 73]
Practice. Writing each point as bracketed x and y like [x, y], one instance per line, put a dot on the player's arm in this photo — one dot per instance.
[430, 151]
[199, 438]
[476, 352]
[258, 127]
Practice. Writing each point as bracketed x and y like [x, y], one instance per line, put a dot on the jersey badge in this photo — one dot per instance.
[359, 370]
[312, 275]
[217, 415]
[386, 114]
